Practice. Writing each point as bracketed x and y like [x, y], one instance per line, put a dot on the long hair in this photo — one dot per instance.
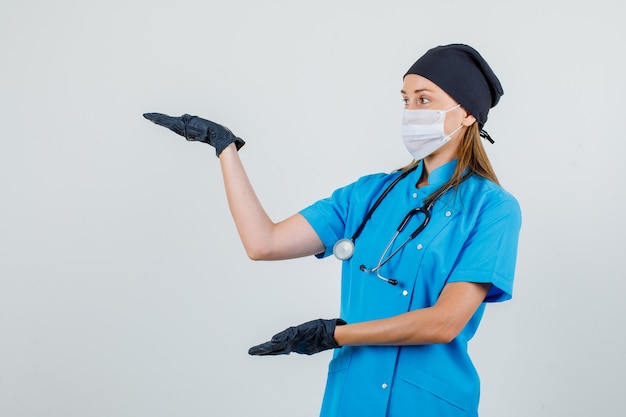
[472, 159]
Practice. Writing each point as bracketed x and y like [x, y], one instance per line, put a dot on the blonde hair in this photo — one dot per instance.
[472, 159]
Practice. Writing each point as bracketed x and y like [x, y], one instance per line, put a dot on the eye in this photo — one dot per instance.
[424, 100]
[405, 101]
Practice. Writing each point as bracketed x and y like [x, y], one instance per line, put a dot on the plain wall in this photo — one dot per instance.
[124, 289]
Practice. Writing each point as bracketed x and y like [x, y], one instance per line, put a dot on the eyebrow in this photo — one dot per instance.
[416, 91]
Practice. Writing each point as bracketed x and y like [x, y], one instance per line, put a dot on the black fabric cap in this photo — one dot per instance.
[464, 74]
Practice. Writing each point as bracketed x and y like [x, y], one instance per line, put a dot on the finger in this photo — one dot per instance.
[158, 118]
[268, 348]
[175, 124]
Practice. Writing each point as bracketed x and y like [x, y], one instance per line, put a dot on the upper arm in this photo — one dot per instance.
[456, 305]
[291, 238]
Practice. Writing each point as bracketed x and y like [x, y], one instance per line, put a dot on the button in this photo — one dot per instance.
[405, 293]
[419, 246]
[414, 195]
[384, 386]
[448, 213]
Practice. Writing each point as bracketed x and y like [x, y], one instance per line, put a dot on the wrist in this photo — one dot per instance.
[228, 149]
[340, 334]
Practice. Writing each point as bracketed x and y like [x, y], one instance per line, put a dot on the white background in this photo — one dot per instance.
[124, 290]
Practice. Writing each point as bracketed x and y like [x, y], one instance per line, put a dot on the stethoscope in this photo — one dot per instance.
[344, 248]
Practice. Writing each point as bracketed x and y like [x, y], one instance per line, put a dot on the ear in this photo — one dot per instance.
[468, 120]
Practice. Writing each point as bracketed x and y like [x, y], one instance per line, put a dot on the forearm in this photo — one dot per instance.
[438, 324]
[262, 238]
[252, 222]
[417, 327]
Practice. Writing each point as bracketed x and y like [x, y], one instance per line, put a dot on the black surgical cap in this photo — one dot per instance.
[464, 74]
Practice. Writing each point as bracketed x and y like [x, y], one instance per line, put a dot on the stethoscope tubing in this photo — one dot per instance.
[344, 248]
[378, 201]
[405, 221]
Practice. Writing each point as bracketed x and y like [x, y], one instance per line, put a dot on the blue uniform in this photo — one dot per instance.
[472, 237]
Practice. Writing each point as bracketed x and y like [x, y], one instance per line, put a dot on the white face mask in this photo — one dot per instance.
[422, 131]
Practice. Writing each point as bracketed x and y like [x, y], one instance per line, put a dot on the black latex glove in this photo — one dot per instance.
[194, 128]
[308, 338]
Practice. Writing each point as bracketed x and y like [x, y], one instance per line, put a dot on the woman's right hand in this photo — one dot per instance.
[194, 128]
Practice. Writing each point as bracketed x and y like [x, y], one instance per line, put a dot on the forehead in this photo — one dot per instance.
[416, 83]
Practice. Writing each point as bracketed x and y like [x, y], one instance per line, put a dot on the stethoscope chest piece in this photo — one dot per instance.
[343, 249]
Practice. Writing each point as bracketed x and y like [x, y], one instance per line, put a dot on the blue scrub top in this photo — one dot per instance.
[472, 237]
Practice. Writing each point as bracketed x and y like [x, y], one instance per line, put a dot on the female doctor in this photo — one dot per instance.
[423, 248]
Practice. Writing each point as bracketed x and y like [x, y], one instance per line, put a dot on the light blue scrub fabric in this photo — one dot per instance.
[472, 237]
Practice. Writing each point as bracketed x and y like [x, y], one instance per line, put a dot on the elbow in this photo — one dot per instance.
[445, 333]
[253, 256]
[260, 246]
[446, 337]
[259, 251]
[256, 254]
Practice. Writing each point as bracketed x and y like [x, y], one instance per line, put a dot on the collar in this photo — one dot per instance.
[437, 177]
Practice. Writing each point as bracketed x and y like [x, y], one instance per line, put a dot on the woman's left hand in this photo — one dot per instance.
[308, 338]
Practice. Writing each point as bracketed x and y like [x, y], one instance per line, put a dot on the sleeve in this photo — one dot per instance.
[328, 218]
[339, 215]
[489, 254]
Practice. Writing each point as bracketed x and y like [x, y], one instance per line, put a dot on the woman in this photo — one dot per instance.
[412, 297]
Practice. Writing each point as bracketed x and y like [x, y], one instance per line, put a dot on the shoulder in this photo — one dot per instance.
[488, 190]
[368, 184]
[376, 179]
[486, 196]
[355, 193]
